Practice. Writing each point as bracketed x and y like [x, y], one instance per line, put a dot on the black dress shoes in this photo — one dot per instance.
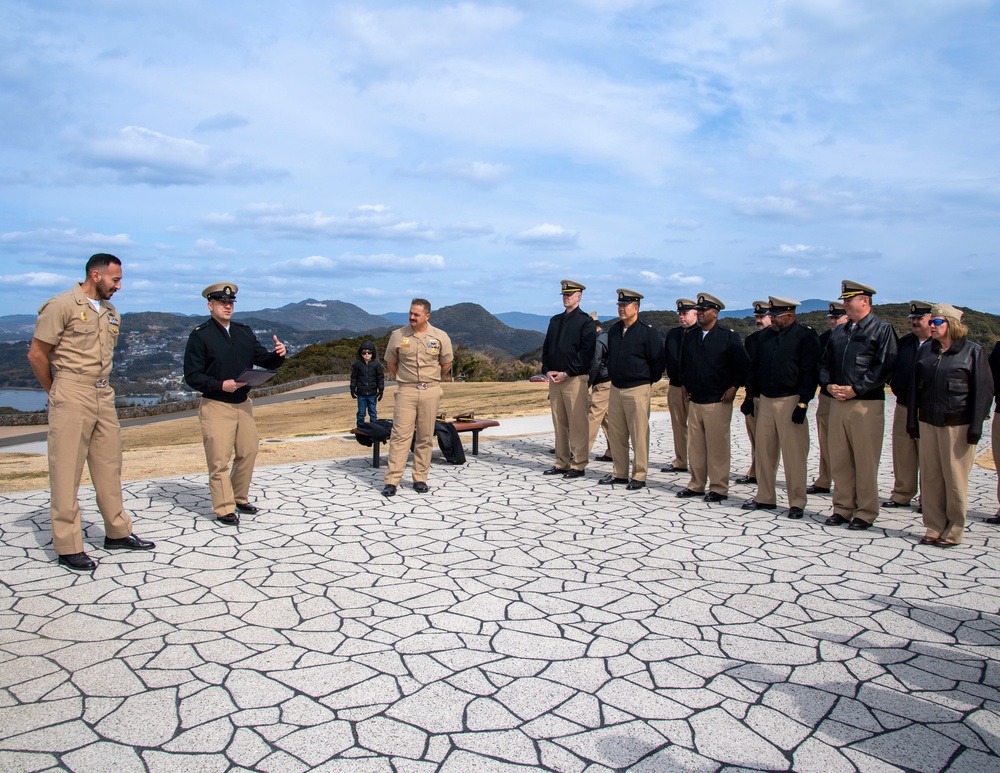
[713, 496]
[230, 520]
[246, 507]
[745, 479]
[574, 474]
[857, 524]
[751, 504]
[78, 562]
[684, 493]
[814, 489]
[603, 458]
[131, 542]
[671, 468]
[635, 485]
[555, 471]
[607, 480]
[890, 503]
[995, 520]
[388, 490]
[795, 513]
[420, 487]
[835, 520]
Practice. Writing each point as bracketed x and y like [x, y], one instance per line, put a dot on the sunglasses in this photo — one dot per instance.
[937, 321]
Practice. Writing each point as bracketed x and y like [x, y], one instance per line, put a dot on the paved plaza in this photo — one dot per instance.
[506, 621]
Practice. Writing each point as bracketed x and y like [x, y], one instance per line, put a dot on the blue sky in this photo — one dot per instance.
[372, 152]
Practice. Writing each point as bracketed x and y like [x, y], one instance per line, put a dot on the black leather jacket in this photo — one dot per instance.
[861, 356]
[569, 343]
[950, 388]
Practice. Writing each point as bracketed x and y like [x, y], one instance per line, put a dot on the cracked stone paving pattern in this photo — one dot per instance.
[504, 622]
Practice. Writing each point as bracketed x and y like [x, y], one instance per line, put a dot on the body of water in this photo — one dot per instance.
[34, 399]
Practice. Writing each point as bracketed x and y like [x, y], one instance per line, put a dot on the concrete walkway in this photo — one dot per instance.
[503, 622]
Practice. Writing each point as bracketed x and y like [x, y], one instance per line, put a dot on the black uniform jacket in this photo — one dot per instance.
[950, 388]
[569, 343]
[824, 338]
[784, 363]
[635, 355]
[995, 369]
[861, 356]
[672, 351]
[902, 373]
[213, 356]
[599, 366]
[711, 364]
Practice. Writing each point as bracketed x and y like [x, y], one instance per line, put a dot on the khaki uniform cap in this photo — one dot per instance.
[223, 291]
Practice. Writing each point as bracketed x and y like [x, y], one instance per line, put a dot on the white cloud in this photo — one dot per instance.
[365, 222]
[679, 278]
[355, 264]
[70, 236]
[547, 236]
[479, 173]
[36, 279]
[136, 155]
[798, 273]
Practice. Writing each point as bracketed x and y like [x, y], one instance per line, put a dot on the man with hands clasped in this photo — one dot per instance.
[782, 380]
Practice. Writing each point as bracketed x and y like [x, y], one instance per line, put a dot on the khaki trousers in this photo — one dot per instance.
[597, 415]
[413, 415]
[905, 459]
[946, 460]
[751, 422]
[995, 441]
[678, 425]
[569, 402]
[823, 477]
[778, 435]
[83, 427]
[628, 420]
[856, 429]
[709, 446]
[228, 432]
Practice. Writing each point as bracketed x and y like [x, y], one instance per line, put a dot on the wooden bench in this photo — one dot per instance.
[475, 427]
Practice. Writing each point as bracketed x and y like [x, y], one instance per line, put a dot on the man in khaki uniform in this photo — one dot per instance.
[687, 318]
[824, 479]
[906, 450]
[635, 363]
[714, 365]
[782, 381]
[419, 357]
[70, 355]
[762, 322]
[218, 351]
[567, 354]
[855, 366]
[600, 393]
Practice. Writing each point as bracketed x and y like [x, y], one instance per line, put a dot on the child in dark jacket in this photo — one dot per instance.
[367, 382]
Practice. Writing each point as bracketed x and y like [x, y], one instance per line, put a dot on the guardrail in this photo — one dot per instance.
[159, 409]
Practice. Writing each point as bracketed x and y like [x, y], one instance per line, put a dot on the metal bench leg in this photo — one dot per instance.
[475, 442]
[375, 453]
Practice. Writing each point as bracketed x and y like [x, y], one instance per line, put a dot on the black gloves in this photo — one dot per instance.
[799, 414]
[746, 407]
[354, 394]
[379, 399]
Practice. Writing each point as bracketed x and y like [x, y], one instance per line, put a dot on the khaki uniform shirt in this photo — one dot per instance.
[83, 339]
[418, 359]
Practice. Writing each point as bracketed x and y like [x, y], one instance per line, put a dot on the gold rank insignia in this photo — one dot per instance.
[83, 316]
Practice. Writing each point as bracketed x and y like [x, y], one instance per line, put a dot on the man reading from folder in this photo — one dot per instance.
[218, 352]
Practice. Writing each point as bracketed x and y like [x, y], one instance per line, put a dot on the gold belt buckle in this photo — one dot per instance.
[102, 383]
[422, 385]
